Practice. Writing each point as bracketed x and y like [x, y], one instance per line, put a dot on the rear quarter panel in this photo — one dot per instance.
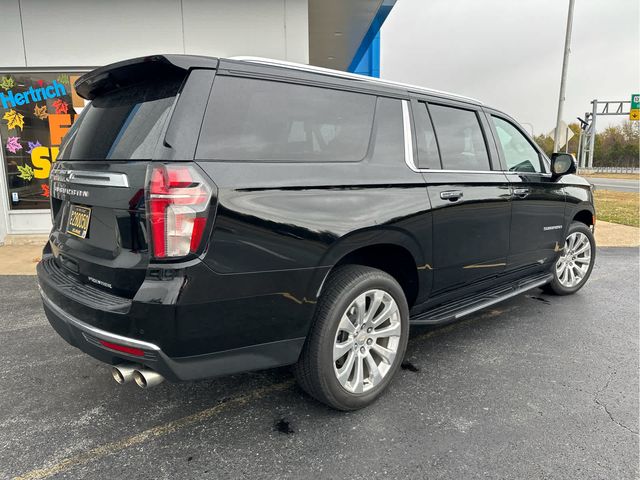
[279, 229]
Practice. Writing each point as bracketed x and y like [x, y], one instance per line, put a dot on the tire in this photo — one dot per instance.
[574, 261]
[342, 301]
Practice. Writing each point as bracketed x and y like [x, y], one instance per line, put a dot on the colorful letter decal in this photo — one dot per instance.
[42, 158]
[58, 126]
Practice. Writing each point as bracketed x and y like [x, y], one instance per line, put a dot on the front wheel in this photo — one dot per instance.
[358, 338]
[573, 268]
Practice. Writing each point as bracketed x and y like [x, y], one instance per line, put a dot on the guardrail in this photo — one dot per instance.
[595, 170]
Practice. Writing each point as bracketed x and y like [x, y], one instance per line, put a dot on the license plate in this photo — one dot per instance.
[78, 223]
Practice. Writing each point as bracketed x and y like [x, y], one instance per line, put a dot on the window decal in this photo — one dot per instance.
[36, 111]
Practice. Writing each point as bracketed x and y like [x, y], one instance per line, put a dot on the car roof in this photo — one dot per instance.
[357, 78]
[88, 85]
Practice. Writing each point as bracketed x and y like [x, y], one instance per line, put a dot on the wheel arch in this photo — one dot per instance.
[391, 250]
[584, 215]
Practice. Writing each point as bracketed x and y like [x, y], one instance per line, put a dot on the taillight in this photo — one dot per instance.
[177, 209]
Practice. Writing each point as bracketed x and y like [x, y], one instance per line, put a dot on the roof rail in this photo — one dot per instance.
[354, 76]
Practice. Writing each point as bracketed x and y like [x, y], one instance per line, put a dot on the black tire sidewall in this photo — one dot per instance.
[347, 400]
[555, 285]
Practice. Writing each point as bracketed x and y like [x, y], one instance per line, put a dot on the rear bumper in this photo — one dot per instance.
[178, 329]
[88, 339]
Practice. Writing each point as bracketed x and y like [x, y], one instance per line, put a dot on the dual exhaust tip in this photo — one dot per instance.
[143, 377]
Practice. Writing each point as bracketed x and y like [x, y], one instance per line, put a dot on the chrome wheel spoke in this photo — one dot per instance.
[361, 304]
[586, 260]
[581, 270]
[374, 372]
[358, 377]
[344, 372]
[376, 300]
[388, 310]
[341, 349]
[386, 354]
[346, 325]
[561, 268]
[392, 330]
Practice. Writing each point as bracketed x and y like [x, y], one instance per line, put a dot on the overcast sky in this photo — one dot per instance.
[508, 53]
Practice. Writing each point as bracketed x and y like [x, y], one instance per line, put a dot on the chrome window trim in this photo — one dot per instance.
[408, 137]
[409, 158]
[96, 332]
[434, 170]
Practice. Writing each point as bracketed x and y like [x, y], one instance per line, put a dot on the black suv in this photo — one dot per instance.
[212, 216]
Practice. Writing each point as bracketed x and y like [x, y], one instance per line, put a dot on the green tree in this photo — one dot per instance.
[618, 146]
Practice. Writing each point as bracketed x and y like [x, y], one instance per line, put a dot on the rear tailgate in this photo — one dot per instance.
[100, 228]
[114, 251]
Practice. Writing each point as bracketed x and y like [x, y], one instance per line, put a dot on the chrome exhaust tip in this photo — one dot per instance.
[147, 378]
[122, 373]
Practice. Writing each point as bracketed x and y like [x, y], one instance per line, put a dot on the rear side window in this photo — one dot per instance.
[124, 124]
[388, 144]
[428, 156]
[460, 138]
[261, 120]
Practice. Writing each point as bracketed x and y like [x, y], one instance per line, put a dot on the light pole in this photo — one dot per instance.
[563, 80]
[530, 126]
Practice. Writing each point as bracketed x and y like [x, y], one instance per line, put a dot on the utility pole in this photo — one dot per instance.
[563, 80]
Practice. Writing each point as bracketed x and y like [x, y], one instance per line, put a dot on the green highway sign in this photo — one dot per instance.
[634, 113]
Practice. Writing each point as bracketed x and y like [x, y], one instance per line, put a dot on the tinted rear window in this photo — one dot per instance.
[260, 120]
[124, 124]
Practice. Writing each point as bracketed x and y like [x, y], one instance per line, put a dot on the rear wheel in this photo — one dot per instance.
[574, 267]
[358, 338]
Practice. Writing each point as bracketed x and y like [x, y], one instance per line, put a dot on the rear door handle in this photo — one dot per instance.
[521, 192]
[451, 195]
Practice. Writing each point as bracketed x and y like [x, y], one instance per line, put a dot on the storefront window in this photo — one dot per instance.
[36, 110]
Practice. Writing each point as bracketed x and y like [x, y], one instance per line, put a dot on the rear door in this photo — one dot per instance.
[470, 200]
[98, 182]
[537, 215]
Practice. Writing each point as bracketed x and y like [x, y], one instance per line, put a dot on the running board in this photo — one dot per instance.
[455, 310]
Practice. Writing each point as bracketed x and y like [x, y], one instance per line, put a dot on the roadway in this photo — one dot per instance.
[535, 387]
[620, 185]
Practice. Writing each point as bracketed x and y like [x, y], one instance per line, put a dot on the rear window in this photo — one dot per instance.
[261, 120]
[124, 124]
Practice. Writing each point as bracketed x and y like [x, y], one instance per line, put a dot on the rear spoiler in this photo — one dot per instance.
[129, 72]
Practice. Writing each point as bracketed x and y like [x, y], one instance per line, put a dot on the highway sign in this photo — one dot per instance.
[634, 113]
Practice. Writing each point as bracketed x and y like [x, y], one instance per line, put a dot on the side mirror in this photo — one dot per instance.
[563, 164]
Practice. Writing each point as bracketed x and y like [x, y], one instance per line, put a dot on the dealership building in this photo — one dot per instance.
[47, 45]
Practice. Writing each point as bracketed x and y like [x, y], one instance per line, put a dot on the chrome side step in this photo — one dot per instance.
[466, 306]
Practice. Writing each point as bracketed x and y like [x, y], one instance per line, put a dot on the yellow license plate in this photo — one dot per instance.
[78, 223]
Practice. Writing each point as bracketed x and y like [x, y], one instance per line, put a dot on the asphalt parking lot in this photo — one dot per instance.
[536, 387]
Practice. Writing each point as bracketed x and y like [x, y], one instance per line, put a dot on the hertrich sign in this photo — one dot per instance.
[10, 99]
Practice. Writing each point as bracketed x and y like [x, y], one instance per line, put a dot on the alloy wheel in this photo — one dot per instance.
[367, 341]
[573, 265]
